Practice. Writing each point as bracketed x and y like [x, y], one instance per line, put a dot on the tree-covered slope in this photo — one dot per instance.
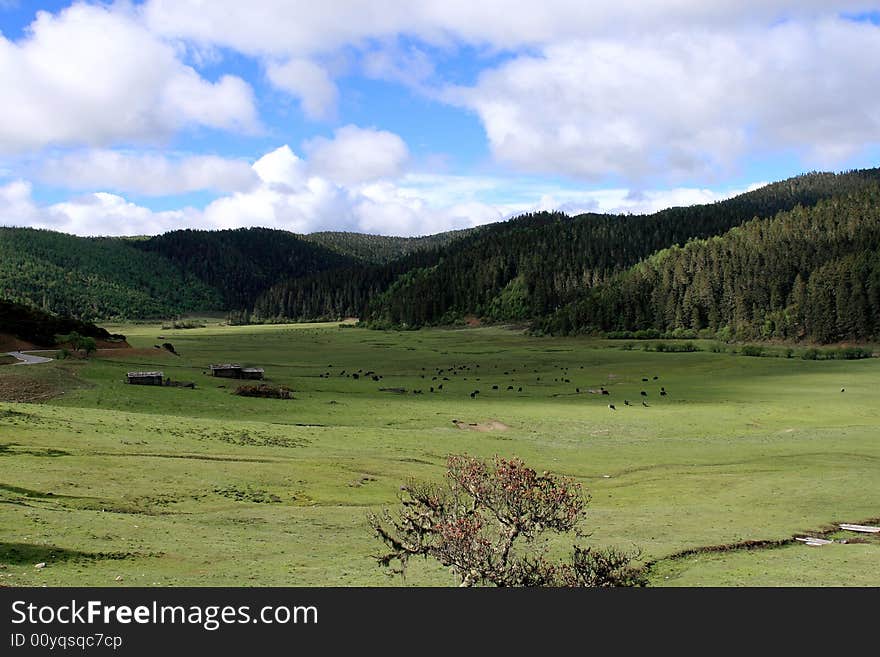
[91, 278]
[42, 328]
[337, 293]
[381, 249]
[533, 265]
[808, 273]
[240, 264]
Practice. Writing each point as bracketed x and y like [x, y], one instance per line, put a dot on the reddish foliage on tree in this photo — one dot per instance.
[485, 523]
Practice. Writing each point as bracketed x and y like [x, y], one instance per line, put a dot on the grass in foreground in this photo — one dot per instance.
[171, 486]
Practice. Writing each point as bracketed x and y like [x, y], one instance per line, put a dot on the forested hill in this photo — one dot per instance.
[536, 267]
[338, 293]
[240, 264]
[178, 272]
[530, 267]
[41, 328]
[809, 273]
[95, 278]
[381, 249]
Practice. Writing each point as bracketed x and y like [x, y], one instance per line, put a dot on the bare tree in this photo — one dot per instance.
[486, 522]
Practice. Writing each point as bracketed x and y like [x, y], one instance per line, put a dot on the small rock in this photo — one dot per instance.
[119, 578]
[40, 565]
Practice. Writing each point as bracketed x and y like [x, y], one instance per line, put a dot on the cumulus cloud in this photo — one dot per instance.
[290, 197]
[631, 89]
[150, 174]
[95, 75]
[92, 214]
[683, 103]
[277, 27]
[308, 82]
[410, 65]
[357, 155]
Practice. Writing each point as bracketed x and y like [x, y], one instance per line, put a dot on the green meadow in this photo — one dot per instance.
[114, 484]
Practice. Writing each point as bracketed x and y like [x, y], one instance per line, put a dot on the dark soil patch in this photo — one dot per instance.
[194, 457]
[11, 343]
[31, 384]
[13, 449]
[28, 554]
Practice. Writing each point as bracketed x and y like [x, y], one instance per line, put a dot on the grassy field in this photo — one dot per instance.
[112, 484]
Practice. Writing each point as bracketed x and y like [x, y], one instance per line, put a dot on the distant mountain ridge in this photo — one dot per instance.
[530, 267]
[808, 273]
[178, 272]
[562, 274]
[381, 249]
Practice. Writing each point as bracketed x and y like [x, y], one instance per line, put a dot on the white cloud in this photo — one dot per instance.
[410, 65]
[683, 103]
[281, 27]
[281, 167]
[150, 174]
[93, 214]
[95, 75]
[289, 197]
[629, 88]
[357, 155]
[108, 214]
[16, 205]
[307, 81]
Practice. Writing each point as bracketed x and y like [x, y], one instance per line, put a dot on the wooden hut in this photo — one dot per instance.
[227, 370]
[145, 378]
[252, 372]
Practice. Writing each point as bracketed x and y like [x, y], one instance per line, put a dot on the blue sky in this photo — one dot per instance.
[141, 117]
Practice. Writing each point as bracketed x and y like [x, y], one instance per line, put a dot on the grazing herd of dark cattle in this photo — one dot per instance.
[441, 375]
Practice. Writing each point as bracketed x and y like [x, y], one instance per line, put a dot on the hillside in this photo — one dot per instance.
[531, 266]
[809, 273]
[337, 293]
[41, 328]
[91, 278]
[178, 272]
[538, 266]
[381, 249]
[239, 264]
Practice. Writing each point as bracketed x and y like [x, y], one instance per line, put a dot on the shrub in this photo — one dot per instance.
[811, 354]
[752, 350]
[853, 353]
[264, 390]
[486, 521]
